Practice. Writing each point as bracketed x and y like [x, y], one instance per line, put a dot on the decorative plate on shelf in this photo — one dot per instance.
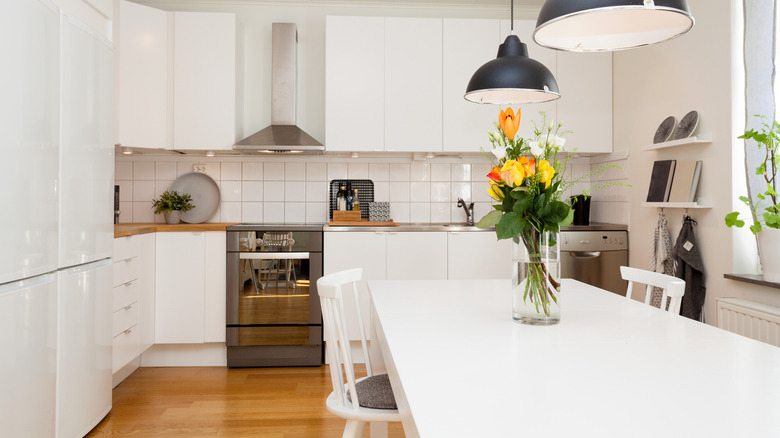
[665, 130]
[205, 196]
[687, 125]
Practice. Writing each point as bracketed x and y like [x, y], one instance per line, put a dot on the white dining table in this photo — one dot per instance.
[613, 367]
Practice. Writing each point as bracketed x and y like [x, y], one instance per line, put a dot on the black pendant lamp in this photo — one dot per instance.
[513, 77]
[609, 25]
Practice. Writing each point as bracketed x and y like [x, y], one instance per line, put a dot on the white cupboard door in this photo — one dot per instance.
[142, 76]
[348, 250]
[478, 256]
[215, 283]
[530, 112]
[179, 290]
[84, 344]
[28, 340]
[416, 256]
[468, 44]
[86, 150]
[413, 84]
[204, 80]
[29, 110]
[96, 14]
[146, 288]
[355, 83]
[585, 106]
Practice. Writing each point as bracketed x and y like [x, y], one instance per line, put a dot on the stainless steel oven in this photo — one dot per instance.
[273, 310]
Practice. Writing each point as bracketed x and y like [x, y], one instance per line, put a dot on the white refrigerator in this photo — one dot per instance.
[56, 131]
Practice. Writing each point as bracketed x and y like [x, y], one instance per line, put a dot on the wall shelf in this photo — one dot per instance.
[673, 143]
[675, 205]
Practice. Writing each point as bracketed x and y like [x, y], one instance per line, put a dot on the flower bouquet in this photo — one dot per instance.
[527, 183]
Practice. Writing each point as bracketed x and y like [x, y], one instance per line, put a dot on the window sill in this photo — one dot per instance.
[754, 279]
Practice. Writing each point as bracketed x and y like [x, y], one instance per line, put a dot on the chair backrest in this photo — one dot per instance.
[673, 287]
[330, 288]
[277, 240]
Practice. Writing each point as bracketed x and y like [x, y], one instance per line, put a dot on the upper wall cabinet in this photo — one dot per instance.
[585, 106]
[467, 45]
[178, 79]
[95, 14]
[355, 83]
[205, 87]
[413, 84]
[141, 76]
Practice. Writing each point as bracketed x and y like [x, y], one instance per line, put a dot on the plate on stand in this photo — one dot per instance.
[665, 130]
[687, 125]
[205, 196]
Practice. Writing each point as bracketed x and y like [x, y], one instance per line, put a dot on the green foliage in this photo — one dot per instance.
[768, 140]
[172, 200]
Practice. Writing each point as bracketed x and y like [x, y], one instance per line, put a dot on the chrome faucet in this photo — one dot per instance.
[469, 211]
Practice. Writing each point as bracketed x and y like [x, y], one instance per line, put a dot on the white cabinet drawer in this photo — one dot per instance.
[125, 294]
[126, 247]
[125, 348]
[125, 318]
[125, 270]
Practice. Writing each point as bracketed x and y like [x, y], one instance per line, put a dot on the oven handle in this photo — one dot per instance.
[585, 254]
[273, 255]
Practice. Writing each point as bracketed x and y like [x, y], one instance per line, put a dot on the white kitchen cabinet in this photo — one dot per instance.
[478, 256]
[141, 76]
[126, 300]
[214, 283]
[585, 106]
[348, 250]
[530, 111]
[355, 83]
[413, 84]
[146, 287]
[96, 14]
[205, 86]
[84, 348]
[28, 340]
[416, 256]
[184, 271]
[467, 45]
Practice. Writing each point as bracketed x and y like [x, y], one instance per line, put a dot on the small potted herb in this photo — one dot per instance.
[171, 204]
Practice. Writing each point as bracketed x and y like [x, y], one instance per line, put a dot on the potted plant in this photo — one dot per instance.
[765, 211]
[171, 204]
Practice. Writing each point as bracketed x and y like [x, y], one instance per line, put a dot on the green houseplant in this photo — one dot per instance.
[765, 211]
[171, 204]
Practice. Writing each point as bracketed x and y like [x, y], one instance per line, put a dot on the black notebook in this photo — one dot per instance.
[661, 181]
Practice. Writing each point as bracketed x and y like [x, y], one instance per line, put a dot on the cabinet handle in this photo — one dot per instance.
[129, 283]
[127, 332]
[128, 260]
[128, 307]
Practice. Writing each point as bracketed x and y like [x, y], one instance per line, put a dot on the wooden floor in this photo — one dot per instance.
[223, 402]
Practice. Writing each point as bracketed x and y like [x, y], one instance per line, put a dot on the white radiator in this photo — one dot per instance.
[746, 318]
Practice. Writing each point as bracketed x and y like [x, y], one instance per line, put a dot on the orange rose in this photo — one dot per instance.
[528, 165]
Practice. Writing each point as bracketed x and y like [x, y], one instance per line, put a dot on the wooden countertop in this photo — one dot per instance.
[123, 230]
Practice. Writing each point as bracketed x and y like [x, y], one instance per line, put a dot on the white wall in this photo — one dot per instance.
[693, 72]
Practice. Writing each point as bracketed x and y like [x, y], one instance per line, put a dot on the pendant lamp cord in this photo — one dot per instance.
[512, 17]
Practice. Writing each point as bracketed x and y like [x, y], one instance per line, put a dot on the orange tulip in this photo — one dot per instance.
[495, 174]
[509, 122]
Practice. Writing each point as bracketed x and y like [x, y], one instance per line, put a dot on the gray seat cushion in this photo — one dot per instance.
[375, 392]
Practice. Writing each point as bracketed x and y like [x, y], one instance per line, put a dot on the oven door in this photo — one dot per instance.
[272, 299]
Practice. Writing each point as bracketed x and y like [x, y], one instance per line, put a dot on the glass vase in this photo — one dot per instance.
[536, 278]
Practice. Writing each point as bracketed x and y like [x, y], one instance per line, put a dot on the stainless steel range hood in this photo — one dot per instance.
[283, 136]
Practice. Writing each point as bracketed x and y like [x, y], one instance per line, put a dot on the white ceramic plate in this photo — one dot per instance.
[205, 196]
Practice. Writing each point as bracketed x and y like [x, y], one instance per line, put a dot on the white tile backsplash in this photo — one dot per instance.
[297, 191]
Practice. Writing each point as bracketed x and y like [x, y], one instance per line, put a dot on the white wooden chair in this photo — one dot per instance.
[366, 400]
[673, 287]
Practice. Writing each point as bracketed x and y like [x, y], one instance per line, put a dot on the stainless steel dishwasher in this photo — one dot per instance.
[595, 257]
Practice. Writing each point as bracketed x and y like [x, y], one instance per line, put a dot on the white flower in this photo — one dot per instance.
[499, 152]
[559, 141]
[535, 148]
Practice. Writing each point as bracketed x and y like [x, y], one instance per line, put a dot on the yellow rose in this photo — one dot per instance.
[546, 171]
[512, 173]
